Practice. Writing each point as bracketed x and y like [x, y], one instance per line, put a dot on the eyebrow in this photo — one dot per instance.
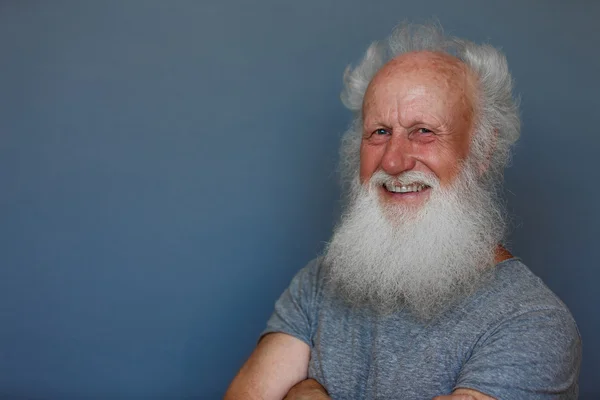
[377, 121]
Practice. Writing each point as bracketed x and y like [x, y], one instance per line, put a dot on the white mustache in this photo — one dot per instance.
[406, 178]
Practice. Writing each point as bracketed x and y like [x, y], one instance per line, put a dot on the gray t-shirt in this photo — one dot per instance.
[512, 339]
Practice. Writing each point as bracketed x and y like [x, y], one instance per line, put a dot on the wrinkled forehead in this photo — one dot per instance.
[443, 75]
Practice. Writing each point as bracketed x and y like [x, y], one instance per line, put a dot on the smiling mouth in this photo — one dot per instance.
[412, 188]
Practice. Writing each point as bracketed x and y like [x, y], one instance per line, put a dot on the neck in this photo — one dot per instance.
[502, 254]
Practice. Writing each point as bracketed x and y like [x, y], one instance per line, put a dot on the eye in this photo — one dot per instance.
[381, 132]
[424, 131]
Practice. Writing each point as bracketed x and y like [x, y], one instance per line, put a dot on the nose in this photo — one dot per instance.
[398, 155]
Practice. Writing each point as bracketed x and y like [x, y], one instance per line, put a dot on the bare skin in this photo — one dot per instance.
[278, 363]
[464, 394]
[309, 389]
[502, 254]
[418, 115]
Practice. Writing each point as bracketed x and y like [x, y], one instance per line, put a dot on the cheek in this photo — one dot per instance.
[445, 164]
[460, 147]
[369, 161]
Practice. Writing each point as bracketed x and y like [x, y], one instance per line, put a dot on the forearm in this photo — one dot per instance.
[278, 363]
[308, 389]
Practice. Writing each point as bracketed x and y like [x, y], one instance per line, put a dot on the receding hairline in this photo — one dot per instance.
[443, 63]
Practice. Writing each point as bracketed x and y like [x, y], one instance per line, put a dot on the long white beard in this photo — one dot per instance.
[423, 259]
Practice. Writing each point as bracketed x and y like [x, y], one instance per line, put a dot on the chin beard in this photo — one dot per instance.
[389, 257]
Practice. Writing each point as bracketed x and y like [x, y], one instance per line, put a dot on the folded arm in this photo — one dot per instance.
[279, 362]
[464, 394]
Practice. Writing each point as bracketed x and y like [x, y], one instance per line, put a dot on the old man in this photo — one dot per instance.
[415, 297]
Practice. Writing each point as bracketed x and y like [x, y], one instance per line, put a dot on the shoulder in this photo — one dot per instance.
[313, 270]
[529, 343]
[296, 308]
[518, 302]
[308, 280]
[513, 290]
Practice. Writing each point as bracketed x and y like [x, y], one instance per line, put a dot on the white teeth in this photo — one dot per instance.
[405, 188]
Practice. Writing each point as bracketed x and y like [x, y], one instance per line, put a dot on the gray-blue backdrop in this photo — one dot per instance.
[166, 167]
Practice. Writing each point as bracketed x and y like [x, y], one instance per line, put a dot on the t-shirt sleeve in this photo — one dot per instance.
[294, 311]
[534, 355]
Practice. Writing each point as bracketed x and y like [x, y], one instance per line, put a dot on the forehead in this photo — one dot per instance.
[427, 80]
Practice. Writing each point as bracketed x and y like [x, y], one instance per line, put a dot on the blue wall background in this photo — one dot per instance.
[166, 167]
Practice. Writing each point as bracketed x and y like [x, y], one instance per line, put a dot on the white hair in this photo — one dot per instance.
[497, 124]
[425, 259]
[389, 257]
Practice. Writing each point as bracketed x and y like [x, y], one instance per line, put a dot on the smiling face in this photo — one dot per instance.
[418, 115]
